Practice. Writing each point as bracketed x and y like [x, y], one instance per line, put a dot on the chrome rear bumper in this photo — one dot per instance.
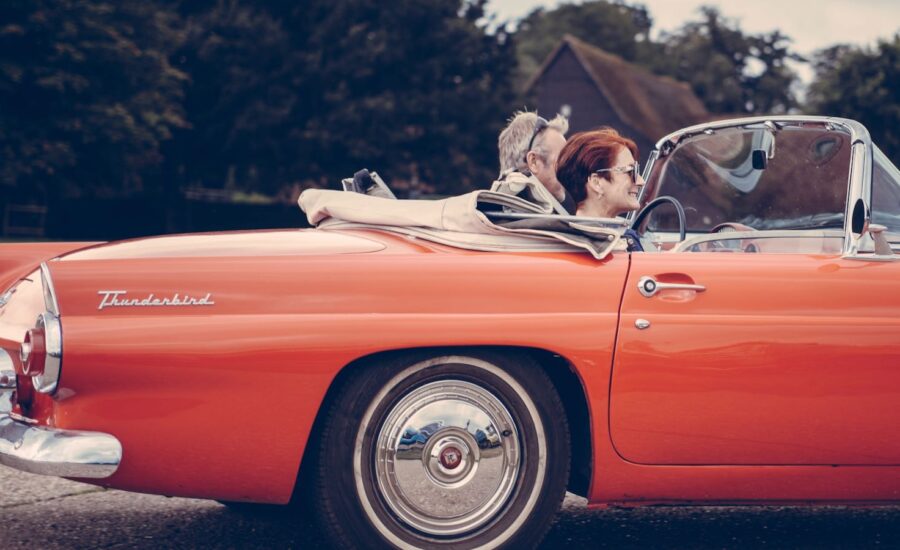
[49, 451]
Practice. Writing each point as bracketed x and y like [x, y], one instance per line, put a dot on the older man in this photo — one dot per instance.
[529, 146]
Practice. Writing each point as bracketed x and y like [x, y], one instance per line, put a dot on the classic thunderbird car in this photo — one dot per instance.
[424, 387]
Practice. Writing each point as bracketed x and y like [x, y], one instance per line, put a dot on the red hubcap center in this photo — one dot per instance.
[451, 457]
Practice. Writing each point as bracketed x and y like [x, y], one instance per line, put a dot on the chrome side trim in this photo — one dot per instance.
[47, 381]
[49, 321]
[53, 452]
[50, 301]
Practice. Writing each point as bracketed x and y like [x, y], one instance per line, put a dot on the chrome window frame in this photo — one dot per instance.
[859, 184]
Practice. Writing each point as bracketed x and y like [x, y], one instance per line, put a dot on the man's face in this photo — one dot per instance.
[545, 169]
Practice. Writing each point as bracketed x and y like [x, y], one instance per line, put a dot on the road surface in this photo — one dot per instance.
[38, 512]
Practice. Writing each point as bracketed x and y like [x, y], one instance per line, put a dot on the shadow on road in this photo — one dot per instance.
[47, 513]
[727, 527]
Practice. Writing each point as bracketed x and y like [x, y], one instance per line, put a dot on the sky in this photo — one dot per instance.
[812, 24]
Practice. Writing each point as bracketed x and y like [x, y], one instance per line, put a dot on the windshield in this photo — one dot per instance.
[763, 177]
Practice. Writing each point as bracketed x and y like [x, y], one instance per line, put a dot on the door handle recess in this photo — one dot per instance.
[648, 286]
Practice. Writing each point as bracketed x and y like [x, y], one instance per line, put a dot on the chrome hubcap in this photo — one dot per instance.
[447, 457]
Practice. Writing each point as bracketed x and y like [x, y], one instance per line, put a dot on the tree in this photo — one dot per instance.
[238, 101]
[616, 27]
[89, 94]
[862, 84]
[415, 88]
[731, 72]
[285, 93]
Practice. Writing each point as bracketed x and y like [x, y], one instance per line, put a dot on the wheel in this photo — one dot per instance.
[460, 451]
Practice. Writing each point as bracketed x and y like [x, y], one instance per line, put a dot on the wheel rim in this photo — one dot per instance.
[447, 458]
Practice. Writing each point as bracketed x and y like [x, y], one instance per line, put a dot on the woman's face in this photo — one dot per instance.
[618, 193]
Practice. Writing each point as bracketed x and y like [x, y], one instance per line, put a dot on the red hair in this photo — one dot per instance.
[584, 154]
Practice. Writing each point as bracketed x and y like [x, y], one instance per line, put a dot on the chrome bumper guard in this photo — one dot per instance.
[49, 451]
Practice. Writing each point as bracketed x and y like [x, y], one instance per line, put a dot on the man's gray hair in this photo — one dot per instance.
[513, 140]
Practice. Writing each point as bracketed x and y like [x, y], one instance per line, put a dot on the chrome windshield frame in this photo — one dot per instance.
[859, 184]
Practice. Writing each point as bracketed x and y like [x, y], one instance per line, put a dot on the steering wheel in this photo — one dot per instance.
[652, 205]
[729, 227]
[726, 227]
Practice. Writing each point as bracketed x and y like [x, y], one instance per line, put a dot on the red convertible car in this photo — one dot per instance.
[426, 387]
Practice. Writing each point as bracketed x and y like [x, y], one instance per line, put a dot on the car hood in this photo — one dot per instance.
[292, 242]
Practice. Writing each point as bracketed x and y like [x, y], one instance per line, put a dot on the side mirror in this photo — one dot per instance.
[760, 159]
[882, 245]
[859, 223]
[860, 227]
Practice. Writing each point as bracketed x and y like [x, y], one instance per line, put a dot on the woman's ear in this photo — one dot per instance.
[595, 184]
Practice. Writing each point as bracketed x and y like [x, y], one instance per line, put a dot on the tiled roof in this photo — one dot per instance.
[651, 104]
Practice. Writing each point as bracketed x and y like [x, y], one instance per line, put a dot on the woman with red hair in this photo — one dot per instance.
[600, 173]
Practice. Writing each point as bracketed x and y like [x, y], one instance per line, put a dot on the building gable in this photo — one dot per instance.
[594, 88]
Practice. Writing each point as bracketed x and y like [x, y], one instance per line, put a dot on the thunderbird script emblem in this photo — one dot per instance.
[118, 298]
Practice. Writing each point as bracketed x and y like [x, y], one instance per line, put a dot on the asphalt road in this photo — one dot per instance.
[46, 513]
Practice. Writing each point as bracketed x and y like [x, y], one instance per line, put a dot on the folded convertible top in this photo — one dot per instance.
[480, 220]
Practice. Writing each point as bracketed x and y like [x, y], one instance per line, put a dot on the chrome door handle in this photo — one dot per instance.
[648, 286]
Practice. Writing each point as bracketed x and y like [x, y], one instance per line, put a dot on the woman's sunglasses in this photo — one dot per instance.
[632, 169]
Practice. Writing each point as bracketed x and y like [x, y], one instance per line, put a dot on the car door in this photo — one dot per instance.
[779, 359]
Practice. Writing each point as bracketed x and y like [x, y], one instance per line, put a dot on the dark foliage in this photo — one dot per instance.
[239, 100]
[862, 84]
[309, 93]
[155, 96]
[730, 71]
[152, 97]
[88, 94]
